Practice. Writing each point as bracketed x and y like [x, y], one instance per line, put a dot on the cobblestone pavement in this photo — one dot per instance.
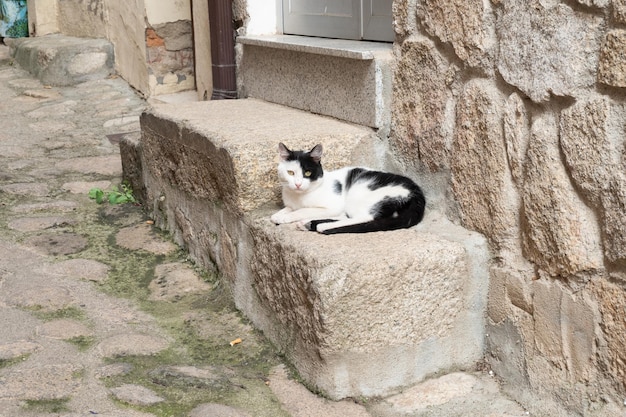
[100, 314]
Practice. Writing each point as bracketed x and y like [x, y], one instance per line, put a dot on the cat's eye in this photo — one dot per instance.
[307, 173]
[290, 172]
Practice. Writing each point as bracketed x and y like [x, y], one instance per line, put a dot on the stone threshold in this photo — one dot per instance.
[341, 48]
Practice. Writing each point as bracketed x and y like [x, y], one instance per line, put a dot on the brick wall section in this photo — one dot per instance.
[524, 111]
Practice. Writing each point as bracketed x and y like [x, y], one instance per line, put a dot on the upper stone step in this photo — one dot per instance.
[357, 315]
[349, 80]
[234, 146]
[61, 60]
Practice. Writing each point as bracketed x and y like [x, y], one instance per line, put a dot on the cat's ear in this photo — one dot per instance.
[283, 151]
[316, 152]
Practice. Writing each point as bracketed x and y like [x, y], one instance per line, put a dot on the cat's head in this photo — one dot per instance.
[300, 170]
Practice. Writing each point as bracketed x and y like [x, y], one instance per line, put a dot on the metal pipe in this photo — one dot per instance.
[222, 49]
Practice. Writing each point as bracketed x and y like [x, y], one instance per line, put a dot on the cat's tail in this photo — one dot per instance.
[410, 214]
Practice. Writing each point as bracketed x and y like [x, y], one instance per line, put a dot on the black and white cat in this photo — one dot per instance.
[347, 200]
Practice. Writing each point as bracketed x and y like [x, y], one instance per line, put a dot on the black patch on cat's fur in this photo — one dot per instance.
[337, 187]
[312, 225]
[307, 163]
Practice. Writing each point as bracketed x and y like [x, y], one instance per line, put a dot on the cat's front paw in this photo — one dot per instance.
[281, 217]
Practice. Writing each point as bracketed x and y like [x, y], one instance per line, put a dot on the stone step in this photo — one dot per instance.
[349, 80]
[60, 60]
[356, 315]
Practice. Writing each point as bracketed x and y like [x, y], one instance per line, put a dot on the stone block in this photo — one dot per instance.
[328, 80]
[516, 135]
[480, 177]
[227, 151]
[612, 65]
[611, 300]
[561, 234]
[63, 60]
[356, 319]
[592, 142]
[547, 318]
[546, 47]
[355, 316]
[578, 321]
[421, 98]
[462, 23]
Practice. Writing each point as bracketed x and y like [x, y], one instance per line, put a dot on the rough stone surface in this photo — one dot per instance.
[561, 244]
[131, 344]
[592, 143]
[461, 23]
[186, 147]
[173, 281]
[516, 135]
[143, 237]
[612, 66]
[455, 395]
[420, 132]
[328, 322]
[309, 296]
[62, 60]
[86, 269]
[217, 410]
[136, 395]
[530, 31]
[480, 176]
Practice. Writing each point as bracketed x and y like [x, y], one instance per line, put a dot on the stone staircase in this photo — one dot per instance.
[356, 315]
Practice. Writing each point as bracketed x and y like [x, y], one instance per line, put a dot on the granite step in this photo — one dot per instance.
[348, 80]
[356, 316]
[59, 60]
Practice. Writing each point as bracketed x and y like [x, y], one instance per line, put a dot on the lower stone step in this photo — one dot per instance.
[61, 60]
[356, 315]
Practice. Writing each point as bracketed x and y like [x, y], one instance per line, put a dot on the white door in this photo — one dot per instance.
[344, 19]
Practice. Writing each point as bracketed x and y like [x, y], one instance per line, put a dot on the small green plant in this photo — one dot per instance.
[115, 195]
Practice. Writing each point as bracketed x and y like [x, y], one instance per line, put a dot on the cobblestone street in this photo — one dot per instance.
[100, 314]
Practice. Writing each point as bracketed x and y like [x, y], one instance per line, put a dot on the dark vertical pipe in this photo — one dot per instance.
[222, 49]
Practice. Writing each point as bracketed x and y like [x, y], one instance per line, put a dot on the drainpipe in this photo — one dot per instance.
[222, 49]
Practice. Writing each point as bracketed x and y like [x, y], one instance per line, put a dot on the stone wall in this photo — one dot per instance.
[520, 105]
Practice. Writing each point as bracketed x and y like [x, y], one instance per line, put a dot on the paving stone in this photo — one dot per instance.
[83, 187]
[62, 206]
[114, 369]
[36, 189]
[300, 402]
[46, 299]
[130, 345]
[86, 269]
[216, 410]
[64, 329]
[58, 244]
[105, 165]
[136, 395]
[189, 376]
[45, 382]
[18, 349]
[143, 237]
[32, 224]
[175, 280]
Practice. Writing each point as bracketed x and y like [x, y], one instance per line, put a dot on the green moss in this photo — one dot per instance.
[47, 406]
[70, 312]
[83, 343]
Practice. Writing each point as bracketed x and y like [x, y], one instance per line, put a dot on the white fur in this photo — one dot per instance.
[305, 200]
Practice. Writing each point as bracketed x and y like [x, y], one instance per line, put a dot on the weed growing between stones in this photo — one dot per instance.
[116, 195]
